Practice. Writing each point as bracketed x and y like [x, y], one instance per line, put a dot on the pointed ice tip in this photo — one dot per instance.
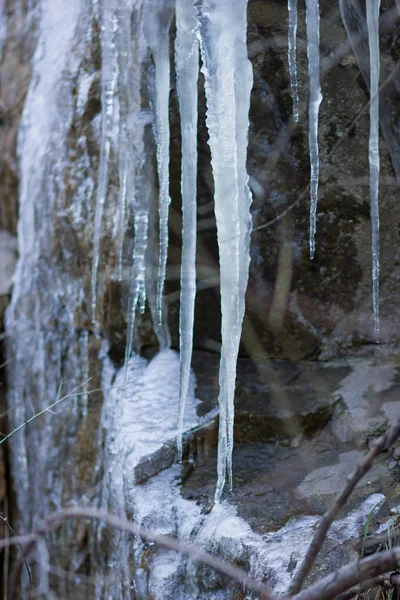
[376, 327]
[312, 251]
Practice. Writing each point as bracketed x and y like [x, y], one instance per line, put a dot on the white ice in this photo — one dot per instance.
[228, 83]
[292, 41]
[187, 70]
[312, 19]
[109, 73]
[157, 25]
[373, 7]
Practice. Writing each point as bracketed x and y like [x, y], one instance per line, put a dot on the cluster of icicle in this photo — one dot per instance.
[216, 31]
[353, 8]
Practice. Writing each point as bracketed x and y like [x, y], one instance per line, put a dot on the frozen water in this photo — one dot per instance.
[187, 70]
[228, 83]
[373, 7]
[312, 19]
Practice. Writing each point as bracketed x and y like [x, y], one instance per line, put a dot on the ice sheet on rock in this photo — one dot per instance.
[187, 71]
[158, 504]
[291, 542]
[109, 73]
[139, 418]
[147, 403]
[292, 43]
[45, 123]
[352, 526]
[228, 82]
[312, 20]
[157, 22]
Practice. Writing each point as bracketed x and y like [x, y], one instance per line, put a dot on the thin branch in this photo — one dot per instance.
[380, 445]
[47, 409]
[357, 572]
[364, 587]
[72, 394]
[115, 522]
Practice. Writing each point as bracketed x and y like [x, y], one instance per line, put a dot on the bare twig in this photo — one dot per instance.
[357, 572]
[47, 409]
[72, 394]
[363, 587]
[380, 445]
[6, 562]
[115, 522]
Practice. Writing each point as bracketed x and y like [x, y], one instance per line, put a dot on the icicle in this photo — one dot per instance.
[135, 177]
[292, 34]
[373, 7]
[108, 81]
[187, 69]
[124, 56]
[85, 369]
[312, 18]
[157, 25]
[228, 83]
[138, 285]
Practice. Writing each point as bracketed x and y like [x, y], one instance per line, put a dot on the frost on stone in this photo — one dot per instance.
[228, 82]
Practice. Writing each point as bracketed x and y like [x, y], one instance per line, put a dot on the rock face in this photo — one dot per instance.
[109, 440]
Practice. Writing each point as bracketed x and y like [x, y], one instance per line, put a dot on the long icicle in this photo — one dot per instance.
[312, 19]
[187, 70]
[292, 43]
[157, 26]
[108, 82]
[124, 58]
[228, 83]
[373, 7]
[137, 187]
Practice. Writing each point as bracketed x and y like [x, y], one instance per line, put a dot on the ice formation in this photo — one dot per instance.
[218, 29]
[292, 42]
[312, 19]
[108, 83]
[228, 82]
[133, 194]
[187, 68]
[157, 23]
[372, 7]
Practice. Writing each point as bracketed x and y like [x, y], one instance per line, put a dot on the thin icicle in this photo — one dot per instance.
[108, 82]
[157, 25]
[228, 83]
[138, 286]
[124, 57]
[137, 186]
[187, 70]
[85, 371]
[373, 7]
[312, 18]
[292, 41]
